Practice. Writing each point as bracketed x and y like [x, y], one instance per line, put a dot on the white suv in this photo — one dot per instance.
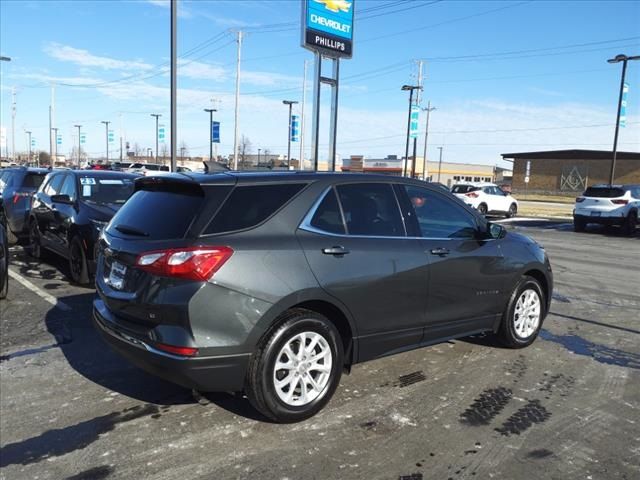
[608, 205]
[143, 168]
[486, 198]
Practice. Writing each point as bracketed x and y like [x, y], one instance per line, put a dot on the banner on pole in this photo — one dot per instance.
[215, 132]
[414, 124]
[623, 105]
[59, 139]
[161, 134]
[83, 139]
[295, 128]
[110, 136]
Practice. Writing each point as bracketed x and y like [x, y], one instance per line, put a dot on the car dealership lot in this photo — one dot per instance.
[568, 406]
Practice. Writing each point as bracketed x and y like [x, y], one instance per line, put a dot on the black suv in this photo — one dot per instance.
[17, 186]
[274, 283]
[69, 211]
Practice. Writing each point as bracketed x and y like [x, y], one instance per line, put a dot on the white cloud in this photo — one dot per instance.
[268, 79]
[201, 71]
[84, 58]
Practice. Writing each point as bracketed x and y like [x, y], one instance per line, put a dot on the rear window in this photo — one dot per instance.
[604, 192]
[156, 215]
[33, 180]
[464, 189]
[247, 206]
[328, 217]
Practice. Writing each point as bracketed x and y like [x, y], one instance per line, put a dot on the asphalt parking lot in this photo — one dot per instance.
[567, 407]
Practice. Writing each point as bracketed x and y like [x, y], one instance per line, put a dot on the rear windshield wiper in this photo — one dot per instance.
[127, 230]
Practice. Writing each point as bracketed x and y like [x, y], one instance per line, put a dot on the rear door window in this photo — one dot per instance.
[328, 217]
[54, 185]
[249, 205]
[371, 209]
[464, 189]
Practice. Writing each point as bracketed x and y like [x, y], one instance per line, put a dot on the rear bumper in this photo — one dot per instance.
[225, 373]
[599, 220]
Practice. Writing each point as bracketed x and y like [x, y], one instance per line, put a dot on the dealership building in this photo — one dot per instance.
[570, 171]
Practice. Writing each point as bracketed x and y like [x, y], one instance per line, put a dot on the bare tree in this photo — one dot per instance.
[136, 149]
[164, 153]
[244, 151]
[184, 151]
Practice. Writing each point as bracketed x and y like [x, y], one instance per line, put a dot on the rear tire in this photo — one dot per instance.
[314, 372]
[513, 211]
[579, 225]
[35, 240]
[11, 237]
[78, 266]
[629, 226]
[526, 310]
[482, 209]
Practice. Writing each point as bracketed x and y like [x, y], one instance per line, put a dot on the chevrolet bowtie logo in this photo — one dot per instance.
[336, 5]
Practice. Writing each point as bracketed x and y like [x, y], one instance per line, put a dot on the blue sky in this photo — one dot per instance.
[504, 76]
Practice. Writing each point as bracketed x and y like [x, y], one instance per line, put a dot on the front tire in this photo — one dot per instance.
[522, 320]
[297, 368]
[579, 225]
[35, 240]
[513, 211]
[12, 239]
[78, 266]
[482, 209]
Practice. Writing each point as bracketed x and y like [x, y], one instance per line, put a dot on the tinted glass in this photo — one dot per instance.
[247, 206]
[33, 180]
[371, 209]
[156, 215]
[54, 185]
[68, 187]
[439, 217]
[105, 190]
[5, 180]
[327, 217]
[604, 192]
[464, 189]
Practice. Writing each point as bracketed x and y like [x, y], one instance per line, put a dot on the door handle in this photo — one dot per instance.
[335, 250]
[441, 251]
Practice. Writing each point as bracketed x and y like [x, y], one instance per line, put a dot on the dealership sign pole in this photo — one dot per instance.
[327, 30]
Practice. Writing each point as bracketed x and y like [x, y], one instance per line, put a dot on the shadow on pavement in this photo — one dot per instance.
[87, 354]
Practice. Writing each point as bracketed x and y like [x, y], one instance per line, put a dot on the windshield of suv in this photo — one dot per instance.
[464, 189]
[105, 190]
[604, 192]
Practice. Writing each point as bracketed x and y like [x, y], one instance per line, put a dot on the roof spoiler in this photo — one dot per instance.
[169, 183]
[211, 166]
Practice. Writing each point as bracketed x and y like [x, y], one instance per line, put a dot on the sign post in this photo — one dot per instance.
[215, 136]
[327, 30]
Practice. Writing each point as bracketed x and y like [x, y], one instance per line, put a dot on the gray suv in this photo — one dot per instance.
[275, 283]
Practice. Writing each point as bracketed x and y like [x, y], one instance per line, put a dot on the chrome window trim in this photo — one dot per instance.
[306, 224]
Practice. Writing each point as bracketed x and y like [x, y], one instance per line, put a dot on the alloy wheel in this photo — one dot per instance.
[303, 369]
[526, 316]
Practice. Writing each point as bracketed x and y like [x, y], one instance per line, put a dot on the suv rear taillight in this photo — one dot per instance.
[472, 195]
[182, 351]
[619, 202]
[579, 199]
[193, 263]
[18, 195]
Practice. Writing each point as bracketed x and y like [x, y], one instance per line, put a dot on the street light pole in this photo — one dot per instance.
[429, 109]
[78, 127]
[106, 129]
[410, 88]
[29, 133]
[290, 103]
[157, 115]
[439, 163]
[259, 150]
[624, 59]
[210, 110]
[55, 144]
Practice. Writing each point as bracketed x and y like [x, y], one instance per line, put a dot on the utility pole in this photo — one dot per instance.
[174, 83]
[235, 133]
[106, 137]
[304, 101]
[410, 88]
[259, 150]
[120, 125]
[210, 110]
[78, 127]
[52, 122]
[440, 163]
[157, 115]
[29, 134]
[624, 59]
[290, 103]
[425, 172]
[13, 124]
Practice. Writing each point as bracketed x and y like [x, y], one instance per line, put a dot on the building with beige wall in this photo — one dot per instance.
[570, 171]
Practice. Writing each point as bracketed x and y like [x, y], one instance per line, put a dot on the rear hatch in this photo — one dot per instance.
[598, 201]
[164, 213]
[465, 192]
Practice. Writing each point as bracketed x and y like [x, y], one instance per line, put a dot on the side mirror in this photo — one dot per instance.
[62, 199]
[496, 231]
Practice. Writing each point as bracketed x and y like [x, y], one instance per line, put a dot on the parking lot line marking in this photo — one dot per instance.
[38, 291]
